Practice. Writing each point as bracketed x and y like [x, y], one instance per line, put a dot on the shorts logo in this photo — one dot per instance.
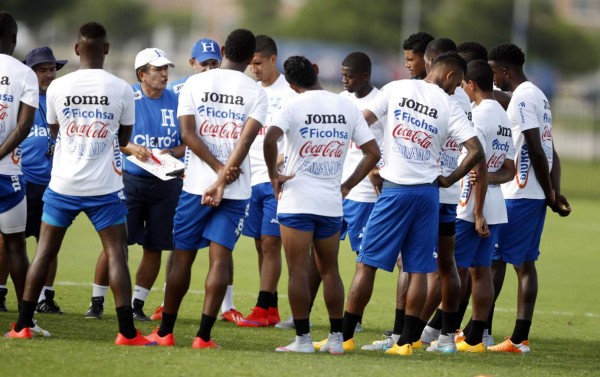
[523, 164]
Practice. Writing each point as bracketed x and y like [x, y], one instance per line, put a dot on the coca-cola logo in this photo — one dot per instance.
[547, 134]
[229, 130]
[419, 137]
[451, 145]
[95, 130]
[496, 161]
[3, 112]
[332, 149]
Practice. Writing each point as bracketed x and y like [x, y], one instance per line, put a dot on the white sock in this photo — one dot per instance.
[2, 286]
[140, 293]
[43, 293]
[164, 291]
[227, 304]
[99, 290]
[396, 337]
[486, 332]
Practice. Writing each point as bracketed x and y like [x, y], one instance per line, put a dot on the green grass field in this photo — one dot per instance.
[565, 336]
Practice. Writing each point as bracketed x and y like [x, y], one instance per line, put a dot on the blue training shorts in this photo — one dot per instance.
[262, 215]
[470, 250]
[102, 210]
[356, 215]
[321, 226]
[519, 239]
[404, 219]
[195, 226]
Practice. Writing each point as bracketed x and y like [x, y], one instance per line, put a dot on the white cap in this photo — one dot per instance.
[153, 56]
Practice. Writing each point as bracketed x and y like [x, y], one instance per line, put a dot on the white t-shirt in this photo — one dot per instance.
[221, 101]
[528, 108]
[18, 83]
[319, 126]
[363, 192]
[420, 117]
[89, 105]
[450, 152]
[493, 129]
[276, 93]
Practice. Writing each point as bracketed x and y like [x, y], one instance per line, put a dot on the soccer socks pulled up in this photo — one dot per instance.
[99, 290]
[521, 331]
[410, 325]
[449, 324]
[25, 315]
[125, 318]
[349, 324]
[139, 293]
[206, 324]
[399, 321]
[436, 320]
[167, 324]
[227, 303]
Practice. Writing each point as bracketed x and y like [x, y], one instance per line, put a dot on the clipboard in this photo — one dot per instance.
[169, 166]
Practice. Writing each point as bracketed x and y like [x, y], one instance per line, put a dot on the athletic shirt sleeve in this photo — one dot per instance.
[259, 110]
[128, 114]
[360, 130]
[282, 118]
[50, 112]
[526, 112]
[459, 126]
[30, 90]
[379, 105]
[186, 104]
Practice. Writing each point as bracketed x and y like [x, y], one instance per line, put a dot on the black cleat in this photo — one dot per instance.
[48, 305]
[3, 293]
[96, 308]
[138, 312]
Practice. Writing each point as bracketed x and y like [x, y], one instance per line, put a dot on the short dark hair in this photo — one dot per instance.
[472, 51]
[299, 71]
[439, 46]
[358, 62]
[451, 58]
[145, 68]
[507, 54]
[417, 42]
[265, 45]
[240, 45]
[92, 30]
[8, 24]
[480, 72]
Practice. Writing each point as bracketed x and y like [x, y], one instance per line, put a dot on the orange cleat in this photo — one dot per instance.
[509, 346]
[164, 341]
[25, 333]
[157, 315]
[139, 340]
[274, 316]
[258, 317]
[201, 344]
[232, 315]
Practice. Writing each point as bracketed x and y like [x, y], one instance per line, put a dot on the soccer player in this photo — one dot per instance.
[536, 185]
[206, 54]
[319, 127]
[414, 50]
[481, 207]
[151, 201]
[261, 223]
[92, 111]
[38, 150]
[420, 118]
[18, 102]
[220, 113]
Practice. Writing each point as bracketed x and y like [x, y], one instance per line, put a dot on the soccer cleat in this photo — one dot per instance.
[334, 344]
[274, 316]
[286, 324]
[463, 346]
[138, 311]
[429, 335]
[442, 346]
[25, 333]
[417, 345]
[459, 336]
[157, 315]
[358, 327]
[258, 317]
[488, 340]
[201, 344]
[379, 345]
[302, 344]
[96, 308]
[232, 315]
[348, 345]
[164, 341]
[139, 340]
[405, 350]
[48, 305]
[38, 331]
[3, 293]
[509, 346]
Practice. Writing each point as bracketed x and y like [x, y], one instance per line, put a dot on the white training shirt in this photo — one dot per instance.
[420, 117]
[450, 153]
[493, 129]
[18, 83]
[319, 126]
[89, 105]
[221, 101]
[276, 93]
[528, 108]
[363, 192]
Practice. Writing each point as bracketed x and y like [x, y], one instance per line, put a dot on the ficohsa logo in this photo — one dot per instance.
[309, 133]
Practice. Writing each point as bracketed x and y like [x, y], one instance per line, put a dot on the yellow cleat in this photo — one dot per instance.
[417, 345]
[320, 344]
[405, 350]
[463, 346]
[348, 344]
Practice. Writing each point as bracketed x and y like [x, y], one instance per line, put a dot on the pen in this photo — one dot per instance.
[155, 159]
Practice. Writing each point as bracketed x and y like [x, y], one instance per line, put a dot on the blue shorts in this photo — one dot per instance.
[151, 204]
[471, 250]
[405, 219]
[12, 191]
[102, 210]
[447, 227]
[321, 226]
[519, 239]
[35, 209]
[356, 215]
[262, 215]
[195, 226]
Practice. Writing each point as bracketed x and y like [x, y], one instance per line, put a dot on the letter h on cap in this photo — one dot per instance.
[206, 46]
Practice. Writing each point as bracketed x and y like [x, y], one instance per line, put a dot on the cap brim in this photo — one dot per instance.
[207, 56]
[161, 62]
[60, 64]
